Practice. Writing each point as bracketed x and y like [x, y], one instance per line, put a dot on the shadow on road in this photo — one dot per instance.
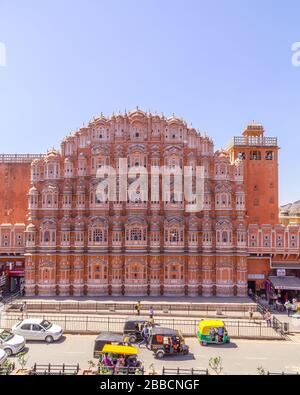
[59, 341]
[226, 345]
[188, 357]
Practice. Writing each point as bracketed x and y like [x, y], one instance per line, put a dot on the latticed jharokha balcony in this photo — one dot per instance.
[257, 141]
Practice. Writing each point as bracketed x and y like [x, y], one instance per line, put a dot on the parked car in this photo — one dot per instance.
[38, 329]
[3, 357]
[11, 343]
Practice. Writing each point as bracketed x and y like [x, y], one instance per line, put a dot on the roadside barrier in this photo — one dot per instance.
[95, 324]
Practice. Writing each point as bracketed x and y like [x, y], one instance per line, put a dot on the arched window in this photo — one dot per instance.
[46, 236]
[224, 237]
[50, 197]
[98, 235]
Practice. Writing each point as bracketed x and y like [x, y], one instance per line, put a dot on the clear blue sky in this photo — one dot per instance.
[219, 64]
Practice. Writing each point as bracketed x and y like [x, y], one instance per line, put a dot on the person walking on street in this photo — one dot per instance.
[138, 307]
[268, 318]
[251, 312]
[151, 312]
[23, 309]
[288, 307]
[145, 335]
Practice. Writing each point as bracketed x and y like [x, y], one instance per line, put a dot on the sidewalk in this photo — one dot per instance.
[203, 307]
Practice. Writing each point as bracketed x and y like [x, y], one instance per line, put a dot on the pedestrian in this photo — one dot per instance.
[251, 312]
[145, 335]
[138, 307]
[288, 307]
[23, 309]
[151, 312]
[268, 318]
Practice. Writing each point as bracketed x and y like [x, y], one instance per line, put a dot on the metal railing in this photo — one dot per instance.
[52, 369]
[124, 370]
[189, 327]
[208, 309]
[282, 328]
[282, 374]
[6, 370]
[180, 371]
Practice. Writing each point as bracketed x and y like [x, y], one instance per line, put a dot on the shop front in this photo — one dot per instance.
[283, 287]
[12, 276]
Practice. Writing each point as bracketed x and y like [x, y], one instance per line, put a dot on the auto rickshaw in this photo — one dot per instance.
[212, 332]
[118, 359]
[133, 328]
[107, 338]
[166, 341]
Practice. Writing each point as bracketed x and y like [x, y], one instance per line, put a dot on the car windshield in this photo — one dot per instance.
[6, 336]
[46, 324]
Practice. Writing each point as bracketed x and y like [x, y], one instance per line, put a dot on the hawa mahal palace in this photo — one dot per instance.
[57, 238]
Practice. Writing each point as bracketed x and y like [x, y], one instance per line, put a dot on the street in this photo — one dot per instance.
[239, 357]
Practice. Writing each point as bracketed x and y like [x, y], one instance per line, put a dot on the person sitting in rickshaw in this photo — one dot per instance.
[220, 334]
[106, 361]
[120, 363]
[174, 343]
[168, 345]
[212, 333]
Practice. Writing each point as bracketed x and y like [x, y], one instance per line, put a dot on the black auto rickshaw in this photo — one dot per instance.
[107, 338]
[133, 328]
[166, 341]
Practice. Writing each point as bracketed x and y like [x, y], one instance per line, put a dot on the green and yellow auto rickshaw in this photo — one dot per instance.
[212, 332]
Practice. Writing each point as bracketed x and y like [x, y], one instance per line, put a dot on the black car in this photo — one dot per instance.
[107, 338]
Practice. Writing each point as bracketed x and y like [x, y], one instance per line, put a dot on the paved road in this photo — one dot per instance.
[241, 356]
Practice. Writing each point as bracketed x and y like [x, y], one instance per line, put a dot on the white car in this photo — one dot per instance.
[38, 329]
[3, 357]
[11, 343]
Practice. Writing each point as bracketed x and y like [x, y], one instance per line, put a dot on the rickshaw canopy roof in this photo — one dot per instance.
[164, 331]
[122, 350]
[109, 336]
[205, 325]
[137, 319]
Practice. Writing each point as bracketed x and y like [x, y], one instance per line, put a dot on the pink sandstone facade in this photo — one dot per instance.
[75, 245]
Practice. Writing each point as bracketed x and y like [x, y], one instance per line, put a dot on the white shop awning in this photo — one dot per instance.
[285, 282]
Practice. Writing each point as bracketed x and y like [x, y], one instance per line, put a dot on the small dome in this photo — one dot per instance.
[35, 162]
[33, 191]
[222, 154]
[30, 228]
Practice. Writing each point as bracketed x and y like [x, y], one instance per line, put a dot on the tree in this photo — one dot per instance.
[261, 371]
[22, 360]
[216, 364]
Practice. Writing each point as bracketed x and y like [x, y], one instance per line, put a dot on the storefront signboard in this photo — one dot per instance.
[281, 272]
[256, 276]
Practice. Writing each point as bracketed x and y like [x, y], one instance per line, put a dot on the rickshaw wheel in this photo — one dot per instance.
[203, 343]
[132, 339]
[159, 354]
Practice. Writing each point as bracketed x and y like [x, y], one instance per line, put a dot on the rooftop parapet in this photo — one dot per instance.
[19, 158]
[255, 141]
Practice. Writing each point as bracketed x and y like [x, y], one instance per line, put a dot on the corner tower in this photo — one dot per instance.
[260, 157]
